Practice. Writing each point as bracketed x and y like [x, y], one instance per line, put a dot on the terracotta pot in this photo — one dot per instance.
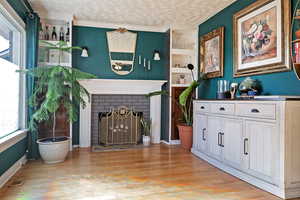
[186, 136]
[297, 34]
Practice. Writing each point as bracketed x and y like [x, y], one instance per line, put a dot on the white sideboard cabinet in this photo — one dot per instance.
[257, 141]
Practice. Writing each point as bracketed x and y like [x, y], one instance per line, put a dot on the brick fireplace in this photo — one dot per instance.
[106, 93]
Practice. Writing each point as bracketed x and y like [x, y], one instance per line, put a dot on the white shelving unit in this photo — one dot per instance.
[44, 55]
[183, 51]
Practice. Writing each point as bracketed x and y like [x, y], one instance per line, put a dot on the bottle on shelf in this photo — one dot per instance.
[54, 35]
[68, 33]
[61, 34]
[41, 33]
[47, 34]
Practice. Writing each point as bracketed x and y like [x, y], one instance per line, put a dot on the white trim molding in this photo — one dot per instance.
[12, 139]
[121, 87]
[4, 178]
[96, 24]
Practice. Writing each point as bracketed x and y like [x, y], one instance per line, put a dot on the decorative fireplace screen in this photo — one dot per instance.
[121, 126]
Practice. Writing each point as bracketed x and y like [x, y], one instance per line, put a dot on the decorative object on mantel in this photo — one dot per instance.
[212, 53]
[146, 124]
[121, 45]
[250, 87]
[84, 52]
[261, 38]
[54, 86]
[156, 55]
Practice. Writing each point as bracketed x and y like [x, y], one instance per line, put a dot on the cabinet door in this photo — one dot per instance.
[262, 145]
[201, 133]
[232, 140]
[214, 137]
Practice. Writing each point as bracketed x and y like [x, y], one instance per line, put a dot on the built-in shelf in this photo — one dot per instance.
[180, 85]
[187, 52]
[54, 64]
[181, 70]
[42, 44]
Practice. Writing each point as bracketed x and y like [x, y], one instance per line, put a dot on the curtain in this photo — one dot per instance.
[32, 34]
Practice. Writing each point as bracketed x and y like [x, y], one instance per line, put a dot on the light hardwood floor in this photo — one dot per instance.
[158, 172]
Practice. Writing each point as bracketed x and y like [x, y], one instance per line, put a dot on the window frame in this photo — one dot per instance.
[18, 25]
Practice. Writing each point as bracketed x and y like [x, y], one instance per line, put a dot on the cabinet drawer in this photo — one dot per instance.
[201, 107]
[257, 110]
[223, 108]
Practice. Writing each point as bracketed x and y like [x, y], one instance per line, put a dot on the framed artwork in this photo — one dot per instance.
[261, 38]
[212, 53]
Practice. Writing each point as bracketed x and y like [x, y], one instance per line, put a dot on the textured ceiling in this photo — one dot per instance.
[175, 13]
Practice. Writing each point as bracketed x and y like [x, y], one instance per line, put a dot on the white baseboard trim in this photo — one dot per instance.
[12, 170]
[171, 142]
[164, 142]
[175, 142]
[76, 146]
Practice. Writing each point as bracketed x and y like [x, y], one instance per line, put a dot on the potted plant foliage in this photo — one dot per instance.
[56, 86]
[146, 124]
[185, 103]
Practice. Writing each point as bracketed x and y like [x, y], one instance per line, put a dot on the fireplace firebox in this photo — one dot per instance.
[120, 126]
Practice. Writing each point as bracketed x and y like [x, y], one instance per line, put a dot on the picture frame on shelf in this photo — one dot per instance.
[212, 53]
[261, 38]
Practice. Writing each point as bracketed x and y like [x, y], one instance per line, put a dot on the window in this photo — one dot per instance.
[12, 85]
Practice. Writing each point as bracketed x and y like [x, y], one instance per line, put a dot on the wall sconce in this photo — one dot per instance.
[156, 55]
[84, 52]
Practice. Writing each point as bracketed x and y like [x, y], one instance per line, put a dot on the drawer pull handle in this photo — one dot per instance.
[202, 107]
[245, 141]
[222, 109]
[254, 110]
[203, 132]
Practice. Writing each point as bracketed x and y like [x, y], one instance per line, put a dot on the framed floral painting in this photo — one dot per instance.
[261, 38]
[211, 53]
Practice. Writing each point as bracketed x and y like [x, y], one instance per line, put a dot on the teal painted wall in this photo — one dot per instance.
[12, 155]
[15, 152]
[282, 83]
[98, 61]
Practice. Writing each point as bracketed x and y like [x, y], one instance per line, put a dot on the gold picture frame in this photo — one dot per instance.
[261, 38]
[212, 53]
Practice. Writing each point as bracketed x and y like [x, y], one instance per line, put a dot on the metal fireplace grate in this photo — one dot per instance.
[120, 126]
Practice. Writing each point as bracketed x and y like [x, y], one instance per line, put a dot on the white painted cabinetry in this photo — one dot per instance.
[256, 141]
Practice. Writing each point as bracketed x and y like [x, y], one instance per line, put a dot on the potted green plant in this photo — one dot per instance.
[56, 86]
[185, 103]
[146, 124]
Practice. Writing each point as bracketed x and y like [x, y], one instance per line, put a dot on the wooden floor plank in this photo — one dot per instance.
[159, 172]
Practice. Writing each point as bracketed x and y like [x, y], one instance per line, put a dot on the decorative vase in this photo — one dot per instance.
[146, 140]
[186, 136]
[54, 151]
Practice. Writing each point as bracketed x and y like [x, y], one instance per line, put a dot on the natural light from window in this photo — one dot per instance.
[11, 101]
[4, 43]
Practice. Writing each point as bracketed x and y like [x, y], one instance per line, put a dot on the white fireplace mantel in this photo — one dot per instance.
[125, 87]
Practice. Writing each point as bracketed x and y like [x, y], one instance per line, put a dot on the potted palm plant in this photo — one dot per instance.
[56, 86]
[185, 129]
[185, 103]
